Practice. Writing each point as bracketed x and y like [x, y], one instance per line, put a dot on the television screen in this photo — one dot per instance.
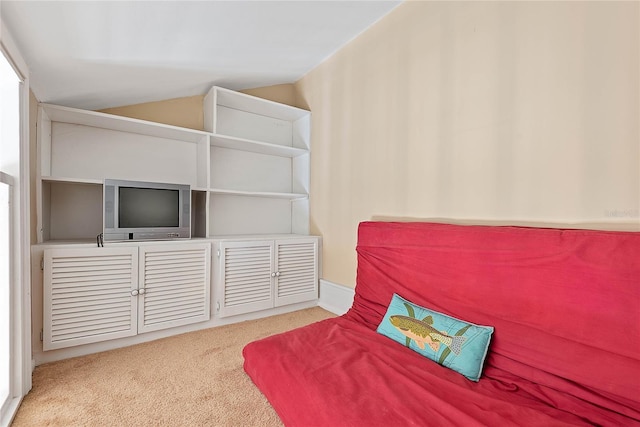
[148, 207]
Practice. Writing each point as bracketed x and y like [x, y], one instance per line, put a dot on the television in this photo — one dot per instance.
[135, 210]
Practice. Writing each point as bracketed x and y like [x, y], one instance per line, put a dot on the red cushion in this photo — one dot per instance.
[563, 302]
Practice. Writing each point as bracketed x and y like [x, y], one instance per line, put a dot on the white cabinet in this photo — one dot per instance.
[88, 295]
[175, 285]
[98, 294]
[253, 275]
[244, 272]
[296, 270]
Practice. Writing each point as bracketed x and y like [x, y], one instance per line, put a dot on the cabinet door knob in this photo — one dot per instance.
[134, 293]
[277, 274]
[273, 274]
[141, 291]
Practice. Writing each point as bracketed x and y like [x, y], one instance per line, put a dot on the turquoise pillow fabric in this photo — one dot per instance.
[456, 344]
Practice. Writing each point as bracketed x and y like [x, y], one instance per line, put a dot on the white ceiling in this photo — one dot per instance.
[94, 55]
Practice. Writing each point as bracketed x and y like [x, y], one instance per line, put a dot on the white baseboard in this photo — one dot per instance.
[335, 298]
[11, 410]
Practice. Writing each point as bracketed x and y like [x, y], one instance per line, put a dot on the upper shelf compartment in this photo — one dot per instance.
[57, 113]
[244, 122]
[87, 146]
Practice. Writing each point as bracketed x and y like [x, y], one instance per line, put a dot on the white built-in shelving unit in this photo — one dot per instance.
[259, 165]
[259, 184]
[249, 177]
[249, 171]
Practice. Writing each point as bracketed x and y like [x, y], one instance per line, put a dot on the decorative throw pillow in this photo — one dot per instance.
[458, 345]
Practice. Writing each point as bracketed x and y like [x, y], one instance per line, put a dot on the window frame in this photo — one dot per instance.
[20, 322]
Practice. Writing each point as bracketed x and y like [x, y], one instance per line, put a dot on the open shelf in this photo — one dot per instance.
[243, 102]
[62, 114]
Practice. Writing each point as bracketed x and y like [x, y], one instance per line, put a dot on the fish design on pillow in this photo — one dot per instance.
[423, 333]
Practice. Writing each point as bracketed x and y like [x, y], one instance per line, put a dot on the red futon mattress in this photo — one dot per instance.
[565, 305]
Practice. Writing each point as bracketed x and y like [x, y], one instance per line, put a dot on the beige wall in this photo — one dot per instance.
[284, 93]
[503, 111]
[184, 112]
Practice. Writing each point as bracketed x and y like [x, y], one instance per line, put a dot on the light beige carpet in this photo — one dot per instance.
[194, 379]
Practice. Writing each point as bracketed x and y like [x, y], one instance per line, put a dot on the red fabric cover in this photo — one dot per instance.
[565, 305]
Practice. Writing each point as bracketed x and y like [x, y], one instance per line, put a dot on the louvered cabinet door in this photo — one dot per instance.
[174, 286]
[87, 295]
[296, 271]
[246, 284]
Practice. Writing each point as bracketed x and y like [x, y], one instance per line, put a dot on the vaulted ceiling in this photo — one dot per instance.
[95, 55]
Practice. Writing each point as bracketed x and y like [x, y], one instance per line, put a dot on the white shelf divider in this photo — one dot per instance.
[232, 142]
[72, 180]
[272, 195]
